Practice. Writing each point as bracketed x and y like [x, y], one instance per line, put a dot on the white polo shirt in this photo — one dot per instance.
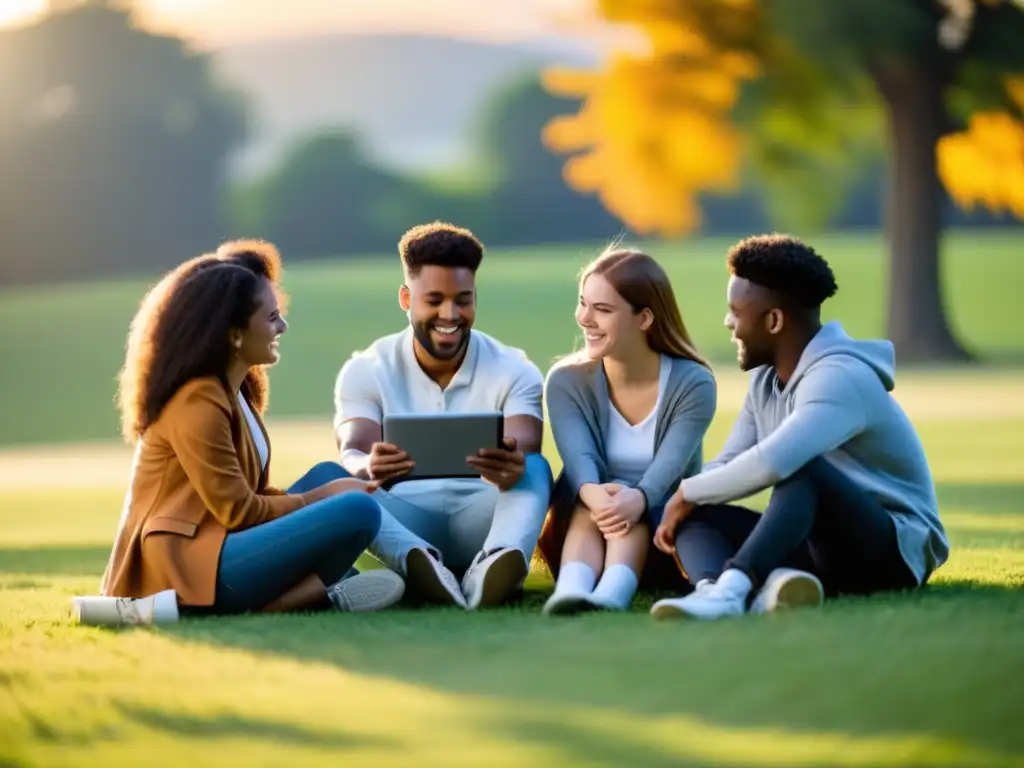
[387, 379]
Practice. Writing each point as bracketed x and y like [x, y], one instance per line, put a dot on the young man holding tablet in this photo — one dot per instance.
[484, 528]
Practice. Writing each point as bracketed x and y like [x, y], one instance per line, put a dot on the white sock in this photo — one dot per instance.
[735, 582]
[576, 577]
[617, 587]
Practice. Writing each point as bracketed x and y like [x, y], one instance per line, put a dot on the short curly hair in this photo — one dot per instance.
[439, 244]
[786, 266]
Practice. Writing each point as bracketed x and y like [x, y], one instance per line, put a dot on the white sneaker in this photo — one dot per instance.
[369, 591]
[432, 580]
[788, 588]
[710, 600]
[160, 608]
[491, 580]
[566, 603]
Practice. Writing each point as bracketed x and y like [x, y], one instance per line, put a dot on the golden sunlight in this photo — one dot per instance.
[15, 11]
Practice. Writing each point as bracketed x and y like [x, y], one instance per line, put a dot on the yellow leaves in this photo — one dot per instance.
[565, 134]
[656, 138]
[569, 83]
[675, 39]
[654, 130]
[984, 165]
[1015, 90]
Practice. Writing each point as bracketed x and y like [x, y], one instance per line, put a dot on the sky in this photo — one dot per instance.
[220, 22]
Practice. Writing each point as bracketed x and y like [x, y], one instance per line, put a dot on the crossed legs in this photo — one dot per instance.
[305, 559]
[478, 532]
[817, 523]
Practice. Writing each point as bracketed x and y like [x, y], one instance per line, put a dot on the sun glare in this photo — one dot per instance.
[15, 11]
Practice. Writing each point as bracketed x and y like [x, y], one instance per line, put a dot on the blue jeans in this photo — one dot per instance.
[260, 564]
[464, 519]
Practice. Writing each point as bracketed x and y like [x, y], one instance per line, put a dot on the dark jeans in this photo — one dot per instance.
[817, 521]
[260, 564]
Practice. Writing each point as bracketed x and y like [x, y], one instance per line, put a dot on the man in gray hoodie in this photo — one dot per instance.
[852, 508]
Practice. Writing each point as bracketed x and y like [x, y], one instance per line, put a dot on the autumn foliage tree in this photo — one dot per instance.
[786, 85]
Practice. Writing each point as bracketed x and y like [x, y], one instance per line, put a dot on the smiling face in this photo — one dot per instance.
[754, 320]
[441, 303]
[258, 343]
[609, 324]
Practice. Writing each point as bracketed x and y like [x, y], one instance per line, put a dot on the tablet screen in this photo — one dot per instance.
[439, 443]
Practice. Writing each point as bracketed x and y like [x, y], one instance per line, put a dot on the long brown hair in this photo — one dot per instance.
[181, 330]
[643, 284]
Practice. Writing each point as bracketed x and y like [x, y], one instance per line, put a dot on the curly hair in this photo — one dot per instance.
[786, 266]
[439, 244]
[259, 257]
[181, 330]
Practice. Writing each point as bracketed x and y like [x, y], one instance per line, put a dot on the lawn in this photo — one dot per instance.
[57, 369]
[928, 679]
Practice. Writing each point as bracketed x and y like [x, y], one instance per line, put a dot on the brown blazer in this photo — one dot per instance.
[196, 477]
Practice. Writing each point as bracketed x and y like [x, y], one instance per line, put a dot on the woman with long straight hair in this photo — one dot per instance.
[628, 413]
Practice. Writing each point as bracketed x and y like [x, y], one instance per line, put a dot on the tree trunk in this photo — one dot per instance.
[917, 322]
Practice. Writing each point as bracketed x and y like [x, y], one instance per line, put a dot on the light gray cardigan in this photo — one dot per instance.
[577, 401]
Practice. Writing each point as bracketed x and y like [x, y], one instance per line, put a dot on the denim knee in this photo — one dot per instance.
[804, 476]
[809, 472]
[356, 512]
[694, 525]
[537, 473]
[327, 471]
[699, 515]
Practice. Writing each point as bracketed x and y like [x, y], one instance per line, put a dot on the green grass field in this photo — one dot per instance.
[927, 679]
[58, 366]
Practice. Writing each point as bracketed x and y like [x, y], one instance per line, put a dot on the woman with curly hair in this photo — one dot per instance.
[200, 518]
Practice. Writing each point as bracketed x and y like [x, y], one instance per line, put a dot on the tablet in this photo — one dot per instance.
[440, 442]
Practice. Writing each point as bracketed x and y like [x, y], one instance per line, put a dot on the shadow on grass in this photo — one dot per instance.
[929, 665]
[579, 745]
[208, 727]
[229, 726]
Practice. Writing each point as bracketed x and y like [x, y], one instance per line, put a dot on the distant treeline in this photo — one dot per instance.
[115, 144]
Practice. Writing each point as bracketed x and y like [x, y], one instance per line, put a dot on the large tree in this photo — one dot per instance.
[785, 84]
[114, 146]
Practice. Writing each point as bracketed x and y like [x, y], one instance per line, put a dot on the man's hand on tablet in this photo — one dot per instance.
[500, 467]
[387, 462]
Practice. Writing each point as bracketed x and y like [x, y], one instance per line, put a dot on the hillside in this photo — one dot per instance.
[415, 97]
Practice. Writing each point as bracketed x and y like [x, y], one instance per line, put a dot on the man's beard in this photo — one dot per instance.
[749, 359]
[422, 334]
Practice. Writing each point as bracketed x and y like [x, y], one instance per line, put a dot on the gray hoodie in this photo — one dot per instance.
[836, 405]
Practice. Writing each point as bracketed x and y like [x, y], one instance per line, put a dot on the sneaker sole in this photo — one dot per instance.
[669, 612]
[568, 605]
[798, 593]
[426, 581]
[370, 591]
[503, 577]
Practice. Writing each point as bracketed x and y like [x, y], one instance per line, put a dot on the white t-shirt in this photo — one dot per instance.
[257, 434]
[630, 447]
[386, 378]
